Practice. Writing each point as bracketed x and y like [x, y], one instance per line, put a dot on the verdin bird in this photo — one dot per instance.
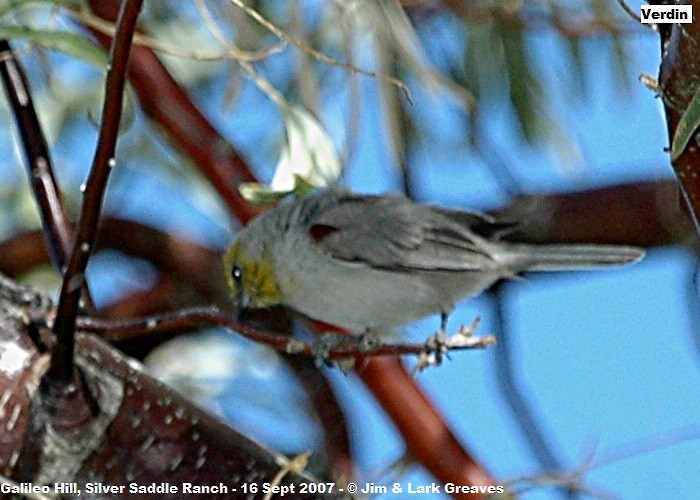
[372, 262]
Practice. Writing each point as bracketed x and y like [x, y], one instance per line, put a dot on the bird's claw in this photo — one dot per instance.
[435, 347]
[439, 344]
[323, 345]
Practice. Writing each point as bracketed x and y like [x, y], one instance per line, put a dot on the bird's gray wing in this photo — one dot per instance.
[394, 233]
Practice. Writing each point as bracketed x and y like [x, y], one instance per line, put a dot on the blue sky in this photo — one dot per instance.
[606, 360]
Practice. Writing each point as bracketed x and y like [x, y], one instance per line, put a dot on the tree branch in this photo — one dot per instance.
[428, 438]
[62, 366]
[168, 105]
[57, 230]
[679, 77]
[340, 348]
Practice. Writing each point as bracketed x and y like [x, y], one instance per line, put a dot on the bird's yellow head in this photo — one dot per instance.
[250, 277]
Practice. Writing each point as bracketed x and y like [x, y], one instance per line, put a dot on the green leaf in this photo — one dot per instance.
[620, 63]
[10, 5]
[578, 71]
[605, 11]
[525, 91]
[260, 194]
[687, 126]
[63, 41]
[483, 67]
[574, 47]
[128, 117]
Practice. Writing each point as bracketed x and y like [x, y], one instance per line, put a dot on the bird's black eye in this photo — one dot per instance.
[237, 274]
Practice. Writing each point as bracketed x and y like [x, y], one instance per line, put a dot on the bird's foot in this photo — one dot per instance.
[353, 344]
[328, 342]
[323, 345]
[439, 344]
[367, 340]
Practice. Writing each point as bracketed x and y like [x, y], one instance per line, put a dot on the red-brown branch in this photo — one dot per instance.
[57, 228]
[200, 317]
[170, 107]
[62, 364]
[428, 438]
[678, 78]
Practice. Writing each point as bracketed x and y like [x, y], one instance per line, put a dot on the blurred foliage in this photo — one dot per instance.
[687, 126]
[314, 56]
[476, 52]
[255, 61]
[303, 55]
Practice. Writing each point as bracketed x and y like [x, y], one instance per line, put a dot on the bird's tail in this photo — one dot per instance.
[526, 257]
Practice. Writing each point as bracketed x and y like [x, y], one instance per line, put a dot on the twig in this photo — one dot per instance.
[574, 479]
[260, 81]
[331, 416]
[61, 368]
[57, 229]
[306, 79]
[408, 46]
[283, 35]
[439, 344]
[343, 347]
[644, 446]
[428, 438]
[628, 10]
[167, 104]
[297, 464]
[231, 52]
[513, 392]
[53, 217]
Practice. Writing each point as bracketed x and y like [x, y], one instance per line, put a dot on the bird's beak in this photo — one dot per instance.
[242, 303]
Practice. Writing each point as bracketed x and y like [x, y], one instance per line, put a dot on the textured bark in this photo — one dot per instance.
[679, 77]
[119, 426]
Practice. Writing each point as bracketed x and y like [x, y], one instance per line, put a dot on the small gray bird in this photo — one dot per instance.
[371, 262]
